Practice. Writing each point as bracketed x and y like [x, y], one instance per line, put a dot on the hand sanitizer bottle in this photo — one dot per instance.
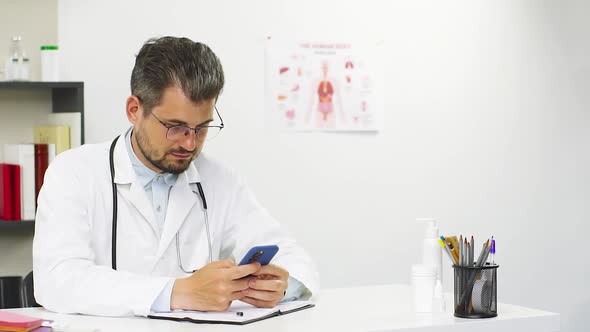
[431, 250]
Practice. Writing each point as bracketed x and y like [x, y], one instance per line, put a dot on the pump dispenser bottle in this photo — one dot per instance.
[431, 250]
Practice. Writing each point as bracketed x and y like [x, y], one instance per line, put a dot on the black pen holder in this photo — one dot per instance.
[476, 291]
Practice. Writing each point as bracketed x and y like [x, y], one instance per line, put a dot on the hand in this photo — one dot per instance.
[212, 288]
[268, 288]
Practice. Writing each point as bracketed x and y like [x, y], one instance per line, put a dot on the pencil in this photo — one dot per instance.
[472, 251]
[461, 251]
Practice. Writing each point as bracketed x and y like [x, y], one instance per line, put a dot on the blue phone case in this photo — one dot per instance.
[260, 254]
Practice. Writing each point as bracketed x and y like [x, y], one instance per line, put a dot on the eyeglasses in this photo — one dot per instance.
[179, 132]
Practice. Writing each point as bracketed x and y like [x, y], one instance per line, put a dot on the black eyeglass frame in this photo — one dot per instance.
[187, 128]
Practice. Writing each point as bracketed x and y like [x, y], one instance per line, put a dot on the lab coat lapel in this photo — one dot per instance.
[125, 175]
[181, 201]
[137, 197]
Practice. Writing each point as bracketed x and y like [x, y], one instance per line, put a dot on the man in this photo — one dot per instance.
[121, 226]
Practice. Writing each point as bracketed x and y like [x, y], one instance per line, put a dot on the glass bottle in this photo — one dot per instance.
[12, 69]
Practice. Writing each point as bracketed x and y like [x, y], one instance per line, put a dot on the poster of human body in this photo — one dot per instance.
[323, 86]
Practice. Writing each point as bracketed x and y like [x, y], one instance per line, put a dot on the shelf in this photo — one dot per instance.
[40, 85]
[20, 224]
[66, 97]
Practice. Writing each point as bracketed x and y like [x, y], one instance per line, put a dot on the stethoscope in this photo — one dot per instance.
[115, 203]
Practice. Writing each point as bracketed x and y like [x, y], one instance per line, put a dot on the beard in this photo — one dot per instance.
[158, 159]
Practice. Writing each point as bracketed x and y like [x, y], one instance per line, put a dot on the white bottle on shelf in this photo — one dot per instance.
[11, 69]
[25, 69]
[49, 63]
[431, 250]
[13, 62]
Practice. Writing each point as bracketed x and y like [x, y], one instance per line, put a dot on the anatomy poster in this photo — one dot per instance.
[314, 86]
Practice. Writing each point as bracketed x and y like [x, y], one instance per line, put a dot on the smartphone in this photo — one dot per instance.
[260, 254]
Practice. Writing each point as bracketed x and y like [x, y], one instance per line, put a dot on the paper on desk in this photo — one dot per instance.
[250, 312]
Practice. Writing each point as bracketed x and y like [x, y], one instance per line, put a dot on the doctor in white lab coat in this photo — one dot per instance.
[162, 233]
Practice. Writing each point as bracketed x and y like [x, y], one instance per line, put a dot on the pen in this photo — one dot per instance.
[451, 241]
[455, 252]
[493, 251]
[447, 250]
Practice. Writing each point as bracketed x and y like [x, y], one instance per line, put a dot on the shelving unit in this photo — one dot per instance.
[66, 97]
[20, 224]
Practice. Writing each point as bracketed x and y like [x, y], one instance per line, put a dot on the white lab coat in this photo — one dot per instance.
[72, 244]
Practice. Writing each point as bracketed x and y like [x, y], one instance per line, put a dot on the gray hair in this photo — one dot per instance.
[171, 61]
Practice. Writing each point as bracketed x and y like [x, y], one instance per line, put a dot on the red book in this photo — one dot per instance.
[41, 163]
[16, 189]
[6, 194]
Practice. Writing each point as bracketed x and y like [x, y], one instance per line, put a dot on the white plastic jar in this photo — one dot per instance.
[423, 281]
[49, 63]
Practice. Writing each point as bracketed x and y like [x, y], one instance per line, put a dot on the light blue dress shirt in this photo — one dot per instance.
[157, 187]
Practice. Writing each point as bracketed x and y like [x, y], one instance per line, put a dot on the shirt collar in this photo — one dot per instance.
[145, 176]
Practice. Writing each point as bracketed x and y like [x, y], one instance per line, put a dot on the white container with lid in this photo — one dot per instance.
[49, 63]
[423, 281]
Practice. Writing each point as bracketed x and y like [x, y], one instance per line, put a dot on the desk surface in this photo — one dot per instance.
[371, 308]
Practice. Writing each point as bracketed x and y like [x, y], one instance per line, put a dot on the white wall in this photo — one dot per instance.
[486, 128]
[35, 21]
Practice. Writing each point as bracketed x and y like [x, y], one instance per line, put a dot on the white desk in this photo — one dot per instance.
[372, 308]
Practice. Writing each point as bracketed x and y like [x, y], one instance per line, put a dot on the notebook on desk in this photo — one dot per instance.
[239, 313]
[14, 322]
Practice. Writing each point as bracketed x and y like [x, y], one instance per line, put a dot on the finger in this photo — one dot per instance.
[240, 284]
[275, 285]
[263, 295]
[241, 271]
[258, 303]
[274, 270]
[236, 295]
[226, 263]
